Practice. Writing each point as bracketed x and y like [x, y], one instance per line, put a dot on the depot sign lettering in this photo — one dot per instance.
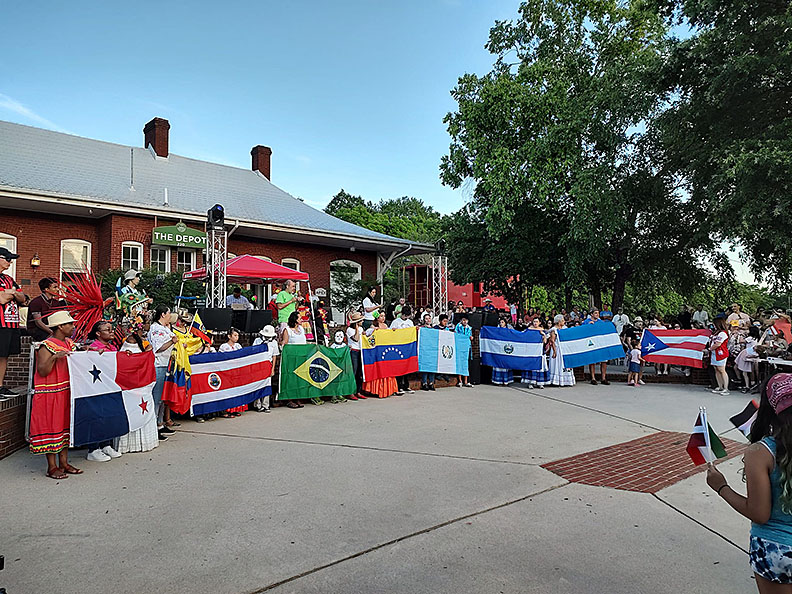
[179, 235]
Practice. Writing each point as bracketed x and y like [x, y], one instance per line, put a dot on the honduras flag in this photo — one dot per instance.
[590, 343]
[650, 343]
[509, 349]
[441, 351]
[110, 394]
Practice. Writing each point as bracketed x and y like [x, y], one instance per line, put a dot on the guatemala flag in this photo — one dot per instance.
[650, 343]
[508, 349]
[590, 343]
[441, 351]
[226, 380]
[110, 394]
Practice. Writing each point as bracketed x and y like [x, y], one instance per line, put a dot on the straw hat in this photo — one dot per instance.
[59, 318]
[355, 316]
[267, 331]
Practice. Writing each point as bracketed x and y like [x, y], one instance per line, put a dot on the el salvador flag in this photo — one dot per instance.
[508, 349]
[650, 344]
[441, 351]
[590, 343]
[110, 394]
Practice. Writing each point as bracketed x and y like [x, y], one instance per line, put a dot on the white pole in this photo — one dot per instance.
[705, 423]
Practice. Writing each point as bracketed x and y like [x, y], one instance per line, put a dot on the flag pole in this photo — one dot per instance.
[705, 423]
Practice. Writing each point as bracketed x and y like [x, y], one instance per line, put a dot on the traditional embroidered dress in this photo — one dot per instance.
[146, 438]
[50, 411]
[502, 377]
[538, 377]
[559, 376]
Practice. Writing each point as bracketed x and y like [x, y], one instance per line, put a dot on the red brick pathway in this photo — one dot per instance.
[647, 464]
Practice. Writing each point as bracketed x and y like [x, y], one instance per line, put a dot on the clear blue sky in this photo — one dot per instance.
[348, 94]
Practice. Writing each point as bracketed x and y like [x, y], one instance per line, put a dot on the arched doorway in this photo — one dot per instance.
[342, 274]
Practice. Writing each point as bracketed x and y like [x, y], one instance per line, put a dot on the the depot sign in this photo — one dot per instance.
[179, 235]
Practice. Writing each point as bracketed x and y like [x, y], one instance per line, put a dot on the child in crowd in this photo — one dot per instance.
[338, 343]
[268, 336]
[635, 363]
[747, 359]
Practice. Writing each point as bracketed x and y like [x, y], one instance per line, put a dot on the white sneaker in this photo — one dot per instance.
[643, 383]
[724, 393]
[716, 391]
[97, 456]
[111, 452]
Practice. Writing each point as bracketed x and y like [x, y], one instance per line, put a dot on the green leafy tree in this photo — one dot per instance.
[556, 132]
[727, 132]
[162, 287]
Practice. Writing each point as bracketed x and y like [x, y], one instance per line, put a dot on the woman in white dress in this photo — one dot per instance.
[146, 438]
[559, 376]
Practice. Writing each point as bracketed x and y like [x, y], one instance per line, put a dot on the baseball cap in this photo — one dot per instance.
[4, 253]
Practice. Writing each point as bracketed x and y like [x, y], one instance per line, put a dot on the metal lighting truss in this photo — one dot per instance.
[216, 256]
[439, 284]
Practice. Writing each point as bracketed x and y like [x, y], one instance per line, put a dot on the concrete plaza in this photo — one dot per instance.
[426, 493]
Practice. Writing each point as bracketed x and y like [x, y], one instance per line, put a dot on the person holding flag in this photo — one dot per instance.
[768, 476]
[719, 349]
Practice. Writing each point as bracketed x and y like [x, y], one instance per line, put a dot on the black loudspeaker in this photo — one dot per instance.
[475, 319]
[238, 319]
[491, 318]
[256, 319]
[216, 318]
[475, 370]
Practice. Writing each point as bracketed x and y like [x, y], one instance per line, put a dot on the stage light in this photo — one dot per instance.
[215, 217]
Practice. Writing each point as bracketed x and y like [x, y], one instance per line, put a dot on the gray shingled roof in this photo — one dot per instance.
[62, 164]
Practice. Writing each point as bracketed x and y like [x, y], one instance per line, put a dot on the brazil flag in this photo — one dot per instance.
[310, 371]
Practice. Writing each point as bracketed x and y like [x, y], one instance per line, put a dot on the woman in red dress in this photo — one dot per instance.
[51, 406]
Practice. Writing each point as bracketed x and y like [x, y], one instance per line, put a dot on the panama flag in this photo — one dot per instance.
[226, 380]
[389, 353]
[677, 347]
[590, 343]
[441, 351]
[509, 349]
[704, 447]
[110, 394]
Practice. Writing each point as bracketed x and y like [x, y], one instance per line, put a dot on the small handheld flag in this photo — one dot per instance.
[198, 329]
[704, 445]
[744, 420]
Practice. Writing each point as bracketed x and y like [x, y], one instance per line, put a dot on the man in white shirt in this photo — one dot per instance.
[620, 320]
[403, 321]
[701, 316]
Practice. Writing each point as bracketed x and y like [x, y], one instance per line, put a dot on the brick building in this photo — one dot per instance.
[67, 203]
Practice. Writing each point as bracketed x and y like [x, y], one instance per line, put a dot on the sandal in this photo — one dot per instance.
[57, 474]
[293, 405]
[69, 469]
[173, 424]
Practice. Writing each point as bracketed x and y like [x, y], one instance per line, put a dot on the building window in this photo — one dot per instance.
[294, 264]
[185, 260]
[160, 258]
[9, 242]
[75, 256]
[131, 255]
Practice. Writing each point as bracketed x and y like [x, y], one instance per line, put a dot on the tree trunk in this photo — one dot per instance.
[567, 297]
[619, 284]
[596, 292]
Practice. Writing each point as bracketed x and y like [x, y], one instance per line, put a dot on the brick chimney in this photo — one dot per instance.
[155, 134]
[261, 159]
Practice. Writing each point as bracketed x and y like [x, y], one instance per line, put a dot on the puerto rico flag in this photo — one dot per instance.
[110, 394]
[226, 380]
[676, 347]
[389, 353]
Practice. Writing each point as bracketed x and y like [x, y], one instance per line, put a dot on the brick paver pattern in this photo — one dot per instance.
[646, 465]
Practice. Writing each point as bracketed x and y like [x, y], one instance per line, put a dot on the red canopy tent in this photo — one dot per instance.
[247, 269]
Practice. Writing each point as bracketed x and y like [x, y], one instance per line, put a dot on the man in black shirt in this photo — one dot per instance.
[685, 318]
[42, 306]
